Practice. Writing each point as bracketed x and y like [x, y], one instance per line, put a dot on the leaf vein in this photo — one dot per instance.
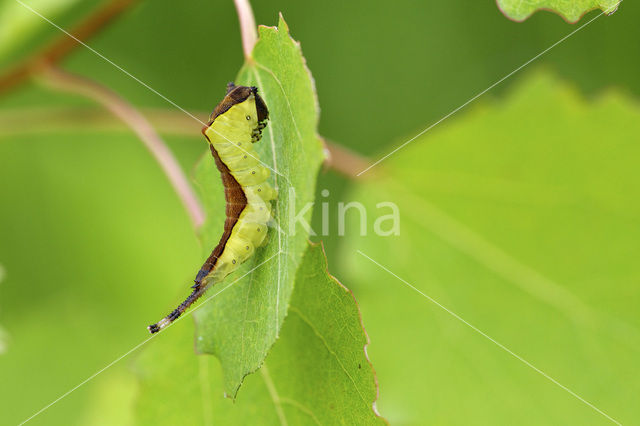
[331, 351]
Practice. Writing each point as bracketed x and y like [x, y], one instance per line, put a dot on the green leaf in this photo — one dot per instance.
[520, 216]
[570, 10]
[316, 373]
[242, 324]
[3, 334]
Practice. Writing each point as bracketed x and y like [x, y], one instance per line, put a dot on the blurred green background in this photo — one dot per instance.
[94, 242]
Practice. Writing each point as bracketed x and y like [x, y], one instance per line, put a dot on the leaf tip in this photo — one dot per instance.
[282, 23]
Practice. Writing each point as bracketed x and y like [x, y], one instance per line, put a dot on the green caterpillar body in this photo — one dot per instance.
[234, 126]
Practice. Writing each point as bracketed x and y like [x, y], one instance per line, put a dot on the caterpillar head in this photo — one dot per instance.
[235, 95]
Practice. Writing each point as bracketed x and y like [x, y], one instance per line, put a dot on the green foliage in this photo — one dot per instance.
[570, 10]
[242, 324]
[519, 216]
[95, 244]
[117, 190]
[316, 372]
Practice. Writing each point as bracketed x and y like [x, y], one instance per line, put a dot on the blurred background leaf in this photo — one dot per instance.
[570, 10]
[88, 226]
[18, 28]
[3, 334]
[522, 218]
[316, 373]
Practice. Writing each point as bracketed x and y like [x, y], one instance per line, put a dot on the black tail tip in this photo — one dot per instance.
[153, 328]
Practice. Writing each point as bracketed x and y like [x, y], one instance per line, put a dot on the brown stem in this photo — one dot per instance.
[247, 26]
[63, 80]
[63, 45]
[344, 160]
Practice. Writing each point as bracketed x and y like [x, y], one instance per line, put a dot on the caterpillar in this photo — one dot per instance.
[234, 126]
